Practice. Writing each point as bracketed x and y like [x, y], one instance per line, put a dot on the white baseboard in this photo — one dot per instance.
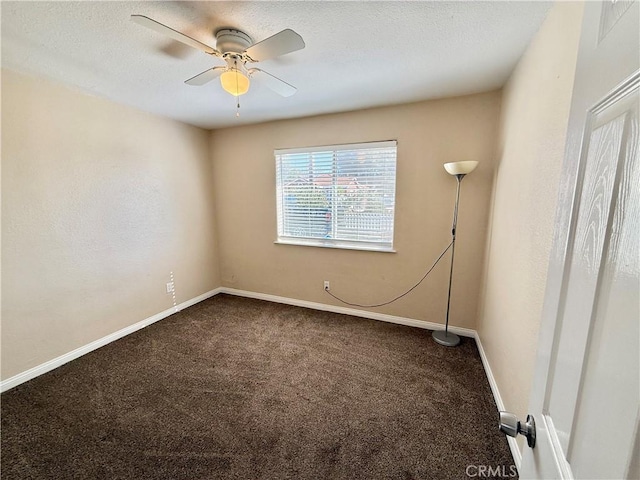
[411, 322]
[513, 444]
[78, 352]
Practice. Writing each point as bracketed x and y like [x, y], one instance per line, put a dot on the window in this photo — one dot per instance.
[337, 196]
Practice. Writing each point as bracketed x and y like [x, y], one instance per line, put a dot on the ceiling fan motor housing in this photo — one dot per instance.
[229, 40]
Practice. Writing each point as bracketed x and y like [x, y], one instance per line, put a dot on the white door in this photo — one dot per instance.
[585, 397]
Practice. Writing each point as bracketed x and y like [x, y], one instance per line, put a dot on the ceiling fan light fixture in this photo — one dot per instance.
[235, 82]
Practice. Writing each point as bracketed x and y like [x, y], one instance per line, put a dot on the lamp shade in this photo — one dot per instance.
[235, 82]
[460, 168]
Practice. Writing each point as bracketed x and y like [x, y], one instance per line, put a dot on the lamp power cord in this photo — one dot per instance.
[401, 295]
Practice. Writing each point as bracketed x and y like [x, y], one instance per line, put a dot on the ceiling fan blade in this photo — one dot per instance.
[176, 35]
[206, 76]
[274, 83]
[281, 43]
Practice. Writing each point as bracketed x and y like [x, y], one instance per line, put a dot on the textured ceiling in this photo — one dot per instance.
[358, 54]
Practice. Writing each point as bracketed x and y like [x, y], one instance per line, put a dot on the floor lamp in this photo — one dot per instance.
[458, 170]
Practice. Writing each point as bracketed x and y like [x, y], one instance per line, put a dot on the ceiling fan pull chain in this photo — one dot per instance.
[237, 90]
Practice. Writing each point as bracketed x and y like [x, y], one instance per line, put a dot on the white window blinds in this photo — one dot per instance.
[337, 196]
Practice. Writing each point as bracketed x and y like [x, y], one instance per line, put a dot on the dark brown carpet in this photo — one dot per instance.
[246, 389]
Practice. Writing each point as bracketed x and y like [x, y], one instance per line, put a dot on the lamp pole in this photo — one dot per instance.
[458, 170]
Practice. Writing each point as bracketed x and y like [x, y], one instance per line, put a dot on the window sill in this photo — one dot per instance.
[335, 244]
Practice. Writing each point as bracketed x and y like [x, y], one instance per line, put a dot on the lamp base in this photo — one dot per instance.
[447, 339]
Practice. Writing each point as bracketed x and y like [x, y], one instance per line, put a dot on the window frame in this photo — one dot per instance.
[364, 245]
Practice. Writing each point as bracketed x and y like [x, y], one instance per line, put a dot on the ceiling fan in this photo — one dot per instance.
[237, 49]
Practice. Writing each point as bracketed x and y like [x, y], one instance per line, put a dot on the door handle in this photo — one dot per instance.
[510, 425]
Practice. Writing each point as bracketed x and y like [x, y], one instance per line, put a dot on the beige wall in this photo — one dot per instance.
[99, 203]
[535, 110]
[429, 134]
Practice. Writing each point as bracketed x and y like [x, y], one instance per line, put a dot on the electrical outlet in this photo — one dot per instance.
[326, 285]
[170, 287]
